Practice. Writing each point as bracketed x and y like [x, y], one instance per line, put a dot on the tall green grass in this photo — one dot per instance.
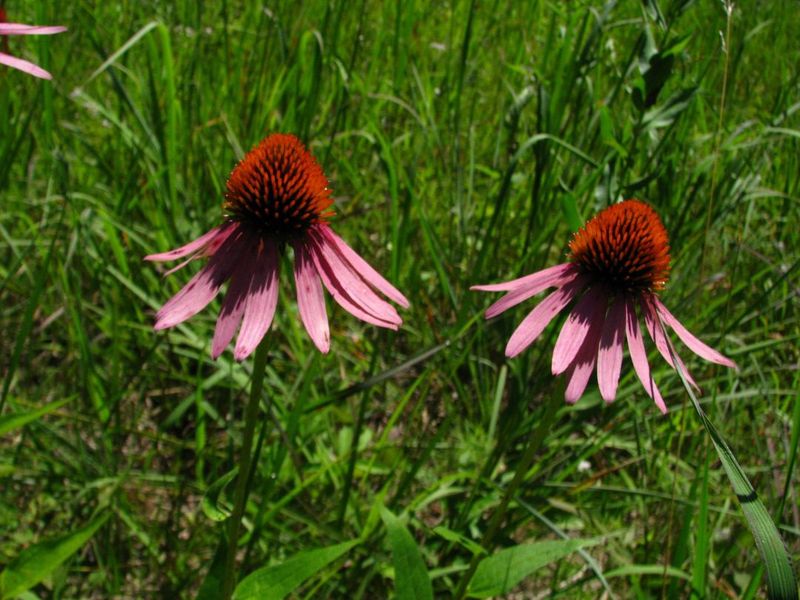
[464, 142]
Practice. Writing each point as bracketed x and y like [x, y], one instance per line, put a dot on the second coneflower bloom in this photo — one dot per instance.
[276, 196]
[619, 261]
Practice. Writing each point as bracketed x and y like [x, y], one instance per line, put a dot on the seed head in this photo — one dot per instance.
[279, 187]
[624, 247]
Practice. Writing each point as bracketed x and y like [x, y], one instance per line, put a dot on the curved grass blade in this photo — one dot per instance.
[781, 580]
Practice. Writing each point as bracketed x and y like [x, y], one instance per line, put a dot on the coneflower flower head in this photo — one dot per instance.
[21, 29]
[277, 195]
[278, 187]
[618, 261]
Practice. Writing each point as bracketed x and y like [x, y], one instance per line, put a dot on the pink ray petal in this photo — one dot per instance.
[591, 308]
[609, 356]
[639, 355]
[310, 298]
[659, 337]
[580, 370]
[21, 29]
[692, 342]
[262, 298]
[345, 297]
[370, 275]
[528, 280]
[533, 287]
[24, 65]
[353, 282]
[213, 237]
[203, 287]
[232, 310]
[533, 324]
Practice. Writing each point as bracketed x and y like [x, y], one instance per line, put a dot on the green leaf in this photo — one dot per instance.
[15, 420]
[211, 588]
[665, 114]
[499, 573]
[37, 562]
[781, 580]
[411, 579]
[277, 581]
[214, 505]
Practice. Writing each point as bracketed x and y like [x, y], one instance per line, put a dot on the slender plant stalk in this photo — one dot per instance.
[726, 48]
[537, 438]
[243, 479]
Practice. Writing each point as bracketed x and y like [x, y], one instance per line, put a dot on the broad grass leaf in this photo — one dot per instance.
[36, 562]
[411, 578]
[278, 581]
[15, 420]
[500, 573]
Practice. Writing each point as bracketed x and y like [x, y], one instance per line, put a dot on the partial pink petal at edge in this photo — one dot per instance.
[639, 355]
[311, 298]
[22, 29]
[690, 340]
[24, 65]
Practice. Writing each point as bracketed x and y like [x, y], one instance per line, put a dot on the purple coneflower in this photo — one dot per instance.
[20, 29]
[619, 260]
[277, 195]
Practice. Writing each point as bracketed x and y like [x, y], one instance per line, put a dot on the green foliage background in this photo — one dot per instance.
[464, 141]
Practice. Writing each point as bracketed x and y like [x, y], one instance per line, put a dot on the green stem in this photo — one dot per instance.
[243, 479]
[536, 440]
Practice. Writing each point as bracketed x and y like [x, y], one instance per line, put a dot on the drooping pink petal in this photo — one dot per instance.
[691, 342]
[24, 65]
[528, 280]
[609, 355]
[580, 370]
[203, 287]
[531, 288]
[230, 315]
[639, 355]
[591, 308]
[310, 298]
[196, 245]
[659, 337]
[533, 324]
[370, 275]
[262, 298]
[21, 29]
[338, 281]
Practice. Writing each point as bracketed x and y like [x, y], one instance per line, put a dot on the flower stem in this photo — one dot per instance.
[243, 478]
[535, 442]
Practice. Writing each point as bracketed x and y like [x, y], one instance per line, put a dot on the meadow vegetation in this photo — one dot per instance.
[464, 142]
